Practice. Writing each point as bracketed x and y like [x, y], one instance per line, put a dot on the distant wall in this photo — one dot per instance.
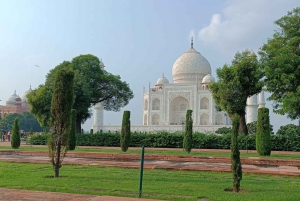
[173, 128]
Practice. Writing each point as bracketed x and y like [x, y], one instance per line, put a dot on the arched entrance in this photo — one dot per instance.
[178, 108]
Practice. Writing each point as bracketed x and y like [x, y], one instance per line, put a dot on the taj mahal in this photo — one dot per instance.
[165, 104]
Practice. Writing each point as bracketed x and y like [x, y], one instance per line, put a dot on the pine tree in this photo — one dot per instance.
[188, 135]
[125, 132]
[236, 166]
[61, 105]
[72, 134]
[263, 135]
[15, 138]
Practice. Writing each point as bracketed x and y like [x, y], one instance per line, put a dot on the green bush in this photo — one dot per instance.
[125, 131]
[263, 134]
[72, 136]
[39, 139]
[188, 135]
[223, 130]
[16, 138]
[174, 140]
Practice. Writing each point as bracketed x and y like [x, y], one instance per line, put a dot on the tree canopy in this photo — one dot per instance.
[237, 82]
[280, 57]
[92, 85]
[26, 121]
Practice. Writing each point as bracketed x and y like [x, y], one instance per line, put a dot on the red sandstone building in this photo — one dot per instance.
[15, 104]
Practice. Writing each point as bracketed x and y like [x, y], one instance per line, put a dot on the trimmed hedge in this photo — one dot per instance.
[174, 140]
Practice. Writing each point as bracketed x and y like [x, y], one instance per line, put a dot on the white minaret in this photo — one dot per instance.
[98, 112]
[261, 99]
[252, 108]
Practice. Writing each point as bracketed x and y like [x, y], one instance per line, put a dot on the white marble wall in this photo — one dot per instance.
[203, 129]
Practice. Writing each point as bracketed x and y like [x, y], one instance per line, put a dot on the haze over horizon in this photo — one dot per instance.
[138, 40]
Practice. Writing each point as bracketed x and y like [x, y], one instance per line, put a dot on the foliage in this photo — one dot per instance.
[253, 125]
[125, 131]
[236, 166]
[236, 82]
[263, 135]
[281, 59]
[92, 85]
[26, 122]
[16, 138]
[61, 105]
[223, 130]
[188, 135]
[40, 102]
[72, 133]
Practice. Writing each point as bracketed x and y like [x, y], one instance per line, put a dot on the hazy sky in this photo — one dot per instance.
[137, 39]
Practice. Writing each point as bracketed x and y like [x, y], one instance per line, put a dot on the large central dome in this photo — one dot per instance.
[190, 66]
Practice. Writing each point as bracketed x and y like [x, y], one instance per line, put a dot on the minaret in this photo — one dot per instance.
[98, 111]
[252, 108]
[261, 99]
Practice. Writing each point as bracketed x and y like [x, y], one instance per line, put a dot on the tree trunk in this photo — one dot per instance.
[243, 126]
[57, 161]
[78, 124]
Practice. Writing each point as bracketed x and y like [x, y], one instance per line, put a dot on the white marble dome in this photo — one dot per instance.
[12, 99]
[23, 96]
[208, 79]
[190, 66]
[162, 80]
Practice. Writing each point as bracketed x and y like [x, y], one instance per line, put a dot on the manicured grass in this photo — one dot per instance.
[157, 184]
[147, 151]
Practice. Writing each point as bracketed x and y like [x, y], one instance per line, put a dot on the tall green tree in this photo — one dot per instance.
[72, 133]
[92, 85]
[237, 82]
[236, 165]
[263, 135]
[61, 105]
[125, 131]
[188, 135]
[15, 138]
[280, 57]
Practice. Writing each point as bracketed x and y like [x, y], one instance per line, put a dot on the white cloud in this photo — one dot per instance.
[244, 24]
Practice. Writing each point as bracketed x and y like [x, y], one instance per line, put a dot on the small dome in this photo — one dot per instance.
[208, 79]
[162, 80]
[12, 99]
[23, 97]
[190, 66]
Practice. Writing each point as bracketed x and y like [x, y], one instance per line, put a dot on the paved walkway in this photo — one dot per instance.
[24, 195]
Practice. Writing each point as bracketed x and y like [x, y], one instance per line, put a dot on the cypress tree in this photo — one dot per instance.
[61, 105]
[91, 131]
[125, 131]
[236, 166]
[188, 135]
[15, 137]
[72, 134]
[263, 135]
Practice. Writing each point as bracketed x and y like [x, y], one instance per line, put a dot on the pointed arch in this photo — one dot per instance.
[219, 119]
[178, 107]
[204, 119]
[156, 104]
[145, 119]
[155, 119]
[204, 103]
[146, 104]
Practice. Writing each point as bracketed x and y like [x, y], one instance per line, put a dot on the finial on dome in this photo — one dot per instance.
[163, 75]
[192, 42]
[15, 92]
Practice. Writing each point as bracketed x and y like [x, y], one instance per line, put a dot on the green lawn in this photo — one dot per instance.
[158, 184]
[147, 151]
